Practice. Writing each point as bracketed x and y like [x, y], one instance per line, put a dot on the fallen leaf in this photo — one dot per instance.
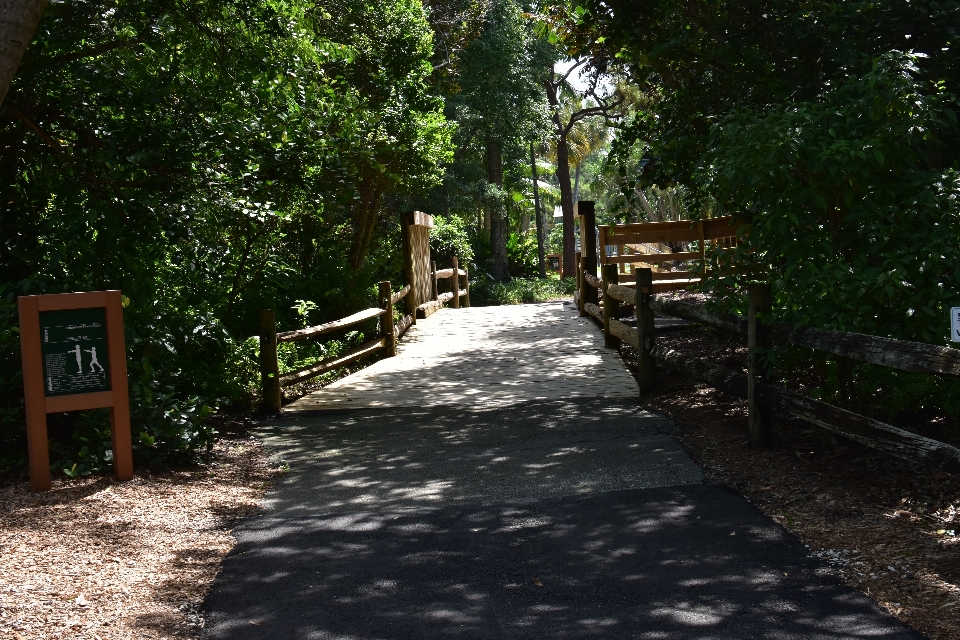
[537, 583]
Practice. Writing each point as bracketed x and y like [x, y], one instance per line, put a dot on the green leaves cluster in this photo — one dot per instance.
[210, 159]
[829, 128]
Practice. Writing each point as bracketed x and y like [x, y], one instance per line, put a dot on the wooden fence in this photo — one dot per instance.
[601, 298]
[634, 241]
[755, 385]
[421, 272]
[420, 298]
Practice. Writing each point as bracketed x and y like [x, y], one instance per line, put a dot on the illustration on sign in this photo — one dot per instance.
[74, 348]
[955, 324]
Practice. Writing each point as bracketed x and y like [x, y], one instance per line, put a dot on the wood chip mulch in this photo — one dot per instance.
[888, 528]
[99, 559]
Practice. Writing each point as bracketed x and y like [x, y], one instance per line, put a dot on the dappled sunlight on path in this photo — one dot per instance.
[488, 355]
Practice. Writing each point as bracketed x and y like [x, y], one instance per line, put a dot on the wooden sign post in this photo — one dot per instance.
[74, 359]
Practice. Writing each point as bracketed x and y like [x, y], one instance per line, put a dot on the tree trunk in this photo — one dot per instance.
[367, 211]
[576, 185]
[499, 229]
[541, 223]
[563, 176]
[566, 205]
[18, 21]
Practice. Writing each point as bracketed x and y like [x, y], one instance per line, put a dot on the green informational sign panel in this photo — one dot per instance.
[74, 347]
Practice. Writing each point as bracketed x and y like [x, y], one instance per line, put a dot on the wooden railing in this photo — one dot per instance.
[755, 385]
[455, 277]
[386, 341]
[720, 233]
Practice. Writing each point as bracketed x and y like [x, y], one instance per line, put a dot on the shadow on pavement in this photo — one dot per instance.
[414, 457]
[696, 561]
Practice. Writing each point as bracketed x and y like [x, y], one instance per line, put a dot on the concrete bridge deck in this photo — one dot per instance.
[489, 356]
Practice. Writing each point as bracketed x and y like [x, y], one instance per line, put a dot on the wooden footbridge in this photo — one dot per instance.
[486, 355]
[449, 355]
[500, 355]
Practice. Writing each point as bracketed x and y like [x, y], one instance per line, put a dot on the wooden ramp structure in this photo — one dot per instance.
[485, 355]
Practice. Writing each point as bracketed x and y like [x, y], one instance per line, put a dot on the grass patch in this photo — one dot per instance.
[485, 292]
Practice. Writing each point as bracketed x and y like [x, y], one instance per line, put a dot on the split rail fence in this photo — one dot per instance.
[420, 298]
[601, 298]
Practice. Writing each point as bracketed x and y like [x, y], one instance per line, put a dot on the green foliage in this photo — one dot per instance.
[485, 291]
[555, 239]
[880, 229]
[13, 440]
[499, 104]
[836, 145]
[293, 355]
[449, 237]
[209, 160]
[168, 429]
[91, 433]
[831, 130]
[522, 255]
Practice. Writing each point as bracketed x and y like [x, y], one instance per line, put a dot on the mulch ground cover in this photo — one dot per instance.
[99, 559]
[886, 526]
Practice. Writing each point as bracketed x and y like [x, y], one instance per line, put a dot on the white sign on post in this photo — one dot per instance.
[955, 324]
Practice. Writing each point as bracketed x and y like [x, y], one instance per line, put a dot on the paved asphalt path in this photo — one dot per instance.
[578, 519]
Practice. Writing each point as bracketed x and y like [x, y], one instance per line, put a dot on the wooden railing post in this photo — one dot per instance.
[611, 306]
[466, 285]
[758, 370]
[269, 369]
[455, 281]
[386, 320]
[433, 281]
[580, 284]
[590, 293]
[410, 301]
[647, 370]
[588, 248]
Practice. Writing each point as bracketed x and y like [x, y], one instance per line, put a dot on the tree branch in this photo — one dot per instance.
[563, 78]
[19, 114]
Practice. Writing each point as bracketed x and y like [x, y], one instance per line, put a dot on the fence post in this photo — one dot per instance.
[611, 306]
[386, 320]
[269, 370]
[433, 281]
[580, 284]
[410, 301]
[588, 247]
[758, 370]
[455, 280]
[647, 370]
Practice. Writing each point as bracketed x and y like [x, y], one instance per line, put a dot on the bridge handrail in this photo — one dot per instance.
[756, 385]
[272, 382]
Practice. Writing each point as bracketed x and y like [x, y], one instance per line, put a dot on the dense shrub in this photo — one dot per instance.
[485, 291]
[448, 238]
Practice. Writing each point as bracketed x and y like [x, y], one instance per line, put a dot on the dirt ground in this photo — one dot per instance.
[97, 559]
[887, 527]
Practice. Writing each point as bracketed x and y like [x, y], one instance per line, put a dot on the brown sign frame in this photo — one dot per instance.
[38, 405]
